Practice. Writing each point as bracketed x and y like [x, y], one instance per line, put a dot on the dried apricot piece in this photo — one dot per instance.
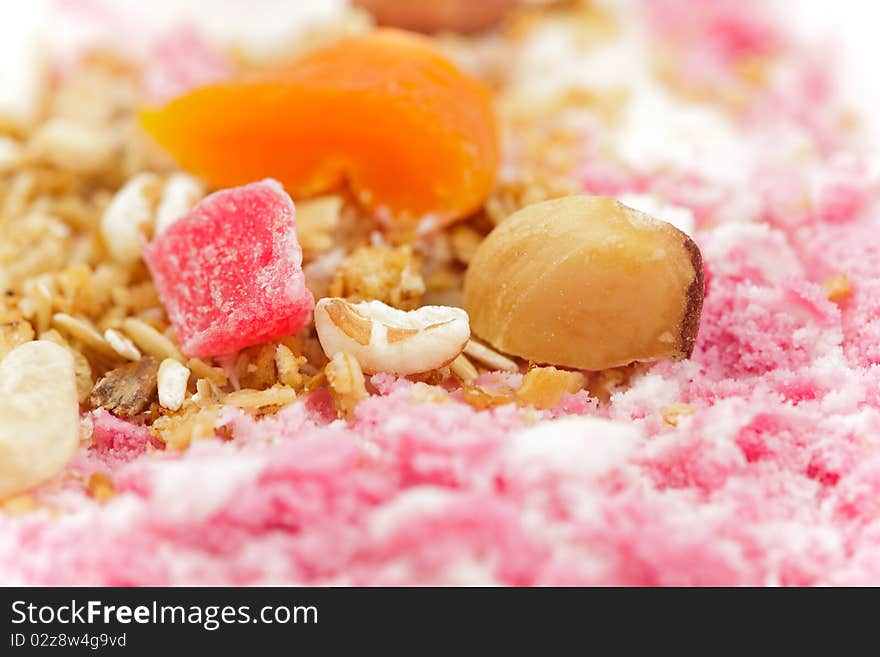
[385, 113]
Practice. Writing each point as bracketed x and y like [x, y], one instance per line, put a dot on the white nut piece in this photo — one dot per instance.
[172, 378]
[128, 214]
[39, 415]
[180, 195]
[385, 339]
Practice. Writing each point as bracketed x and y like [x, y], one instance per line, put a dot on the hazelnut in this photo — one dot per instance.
[586, 282]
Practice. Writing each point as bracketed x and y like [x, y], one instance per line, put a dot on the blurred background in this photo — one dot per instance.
[847, 26]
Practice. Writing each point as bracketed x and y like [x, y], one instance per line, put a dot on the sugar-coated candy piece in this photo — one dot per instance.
[230, 272]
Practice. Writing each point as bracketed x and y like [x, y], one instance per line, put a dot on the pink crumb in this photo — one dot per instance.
[117, 438]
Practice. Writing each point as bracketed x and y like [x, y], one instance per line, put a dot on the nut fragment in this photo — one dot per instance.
[384, 339]
[172, 378]
[482, 397]
[128, 390]
[288, 367]
[671, 414]
[122, 345]
[192, 423]
[346, 380]
[277, 395]
[39, 431]
[544, 387]
[100, 486]
[585, 282]
[837, 287]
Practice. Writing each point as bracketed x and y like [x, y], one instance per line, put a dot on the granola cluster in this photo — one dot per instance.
[83, 187]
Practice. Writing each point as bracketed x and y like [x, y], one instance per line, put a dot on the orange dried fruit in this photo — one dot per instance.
[411, 134]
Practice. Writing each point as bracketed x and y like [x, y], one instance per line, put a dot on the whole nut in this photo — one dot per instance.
[586, 282]
[385, 339]
[438, 15]
[39, 415]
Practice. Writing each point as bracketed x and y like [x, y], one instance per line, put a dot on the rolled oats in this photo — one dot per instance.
[380, 273]
[489, 357]
[463, 369]
[122, 345]
[74, 146]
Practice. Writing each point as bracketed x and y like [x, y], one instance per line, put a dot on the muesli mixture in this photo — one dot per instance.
[572, 292]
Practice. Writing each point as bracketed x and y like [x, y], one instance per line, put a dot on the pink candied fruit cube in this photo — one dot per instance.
[230, 272]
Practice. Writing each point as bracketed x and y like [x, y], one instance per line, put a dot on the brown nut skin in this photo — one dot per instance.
[588, 283]
[438, 15]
